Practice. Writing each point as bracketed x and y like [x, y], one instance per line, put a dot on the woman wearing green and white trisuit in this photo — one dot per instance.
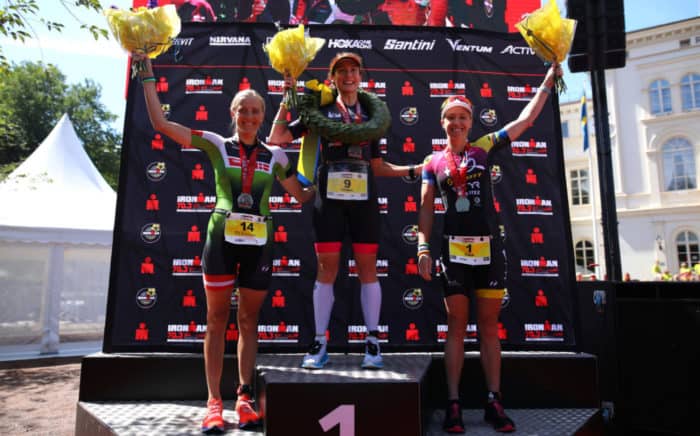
[239, 235]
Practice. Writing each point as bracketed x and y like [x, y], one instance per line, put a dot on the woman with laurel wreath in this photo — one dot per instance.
[346, 199]
[238, 245]
[473, 253]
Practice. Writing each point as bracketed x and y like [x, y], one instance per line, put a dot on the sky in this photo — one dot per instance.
[80, 57]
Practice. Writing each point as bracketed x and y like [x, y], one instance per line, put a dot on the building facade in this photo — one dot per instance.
[654, 116]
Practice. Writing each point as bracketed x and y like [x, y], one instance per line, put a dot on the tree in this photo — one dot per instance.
[16, 17]
[34, 96]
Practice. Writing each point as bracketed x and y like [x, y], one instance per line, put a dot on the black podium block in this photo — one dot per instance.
[382, 402]
[153, 376]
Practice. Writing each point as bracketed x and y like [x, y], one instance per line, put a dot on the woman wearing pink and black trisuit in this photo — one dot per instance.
[472, 252]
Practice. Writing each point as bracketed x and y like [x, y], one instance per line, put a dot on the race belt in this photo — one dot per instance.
[245, 229]
[347, 180]
[470, 250]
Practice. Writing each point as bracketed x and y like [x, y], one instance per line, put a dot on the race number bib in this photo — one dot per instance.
[470, 250]
[245, 229]
[347, 181]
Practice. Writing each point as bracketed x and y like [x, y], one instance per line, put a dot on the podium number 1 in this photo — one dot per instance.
[344, 416]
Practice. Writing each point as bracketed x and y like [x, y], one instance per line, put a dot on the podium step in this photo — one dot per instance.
[540, 422]
[149, 418]
[359, 401]
[184, 417]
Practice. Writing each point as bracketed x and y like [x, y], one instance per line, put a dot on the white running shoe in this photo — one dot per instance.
[316, 358]
[373, 358]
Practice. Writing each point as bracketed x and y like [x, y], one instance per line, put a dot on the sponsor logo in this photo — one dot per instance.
[459, 45]
[518, 50]
[470, 336]
[150, 233]
[382, 268]
[529, 148]
[521, 93]
[446, 89]
[195, 203]
[409, 45]
[187, 267]
[156, 171]
[146, 298]
[539, 267]
[358, 334]
[285, 267]
[383, 147]
[412, 298]
[191, 332]
[439, 205]
[276, 87]
[345, 44]
[383, 203]
[278, 333]
[488, 117]
[207, 85]
[409, 115]
[183, 42]
[439, 144]
[378, 88]
[229, 41]
[544, 332]
[533, 206]
[496, 174]
[409, 234]
[284, 204]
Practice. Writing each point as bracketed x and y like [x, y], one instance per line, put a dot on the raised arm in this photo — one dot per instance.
[177, 132]
[280, 134]
[532, 110]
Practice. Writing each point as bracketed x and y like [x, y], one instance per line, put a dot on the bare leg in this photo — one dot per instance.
[457, 307]
[249, 305]
[488, 310]
[218, 306]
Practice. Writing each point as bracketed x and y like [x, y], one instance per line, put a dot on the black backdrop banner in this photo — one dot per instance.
[166, 194]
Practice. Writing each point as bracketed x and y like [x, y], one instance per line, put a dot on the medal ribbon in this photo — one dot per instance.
[346, 113]
[247, 167]
[459, 175]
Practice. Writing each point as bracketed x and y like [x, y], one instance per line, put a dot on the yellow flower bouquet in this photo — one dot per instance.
[290, 51]
[549, 35]
[145, 31]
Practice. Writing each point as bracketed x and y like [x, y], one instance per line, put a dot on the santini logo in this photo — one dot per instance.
[415, 45]
[350, 43]
[459, 45]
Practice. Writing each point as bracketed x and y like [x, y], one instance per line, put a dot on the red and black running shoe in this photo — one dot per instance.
[214, 421]
[495, 415]
[453, 418]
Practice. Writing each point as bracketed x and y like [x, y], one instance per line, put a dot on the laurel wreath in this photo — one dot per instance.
[347, 133]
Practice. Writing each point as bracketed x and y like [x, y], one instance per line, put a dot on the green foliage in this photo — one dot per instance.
[34, 96]
[16, 17]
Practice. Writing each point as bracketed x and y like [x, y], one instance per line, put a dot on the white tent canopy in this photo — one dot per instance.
[56, 224]
[57, 195]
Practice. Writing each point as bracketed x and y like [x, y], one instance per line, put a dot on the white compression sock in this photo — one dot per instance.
[371, 299]
[323, 306]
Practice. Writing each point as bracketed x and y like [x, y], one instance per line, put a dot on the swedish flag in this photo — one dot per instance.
[584, 123]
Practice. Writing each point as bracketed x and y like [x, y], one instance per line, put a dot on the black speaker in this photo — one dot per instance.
[599, 41]
[658, 350]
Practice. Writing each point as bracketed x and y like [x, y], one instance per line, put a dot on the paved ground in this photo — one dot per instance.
[38, 400]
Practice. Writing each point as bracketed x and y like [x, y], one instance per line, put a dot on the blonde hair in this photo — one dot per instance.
[241, 95]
